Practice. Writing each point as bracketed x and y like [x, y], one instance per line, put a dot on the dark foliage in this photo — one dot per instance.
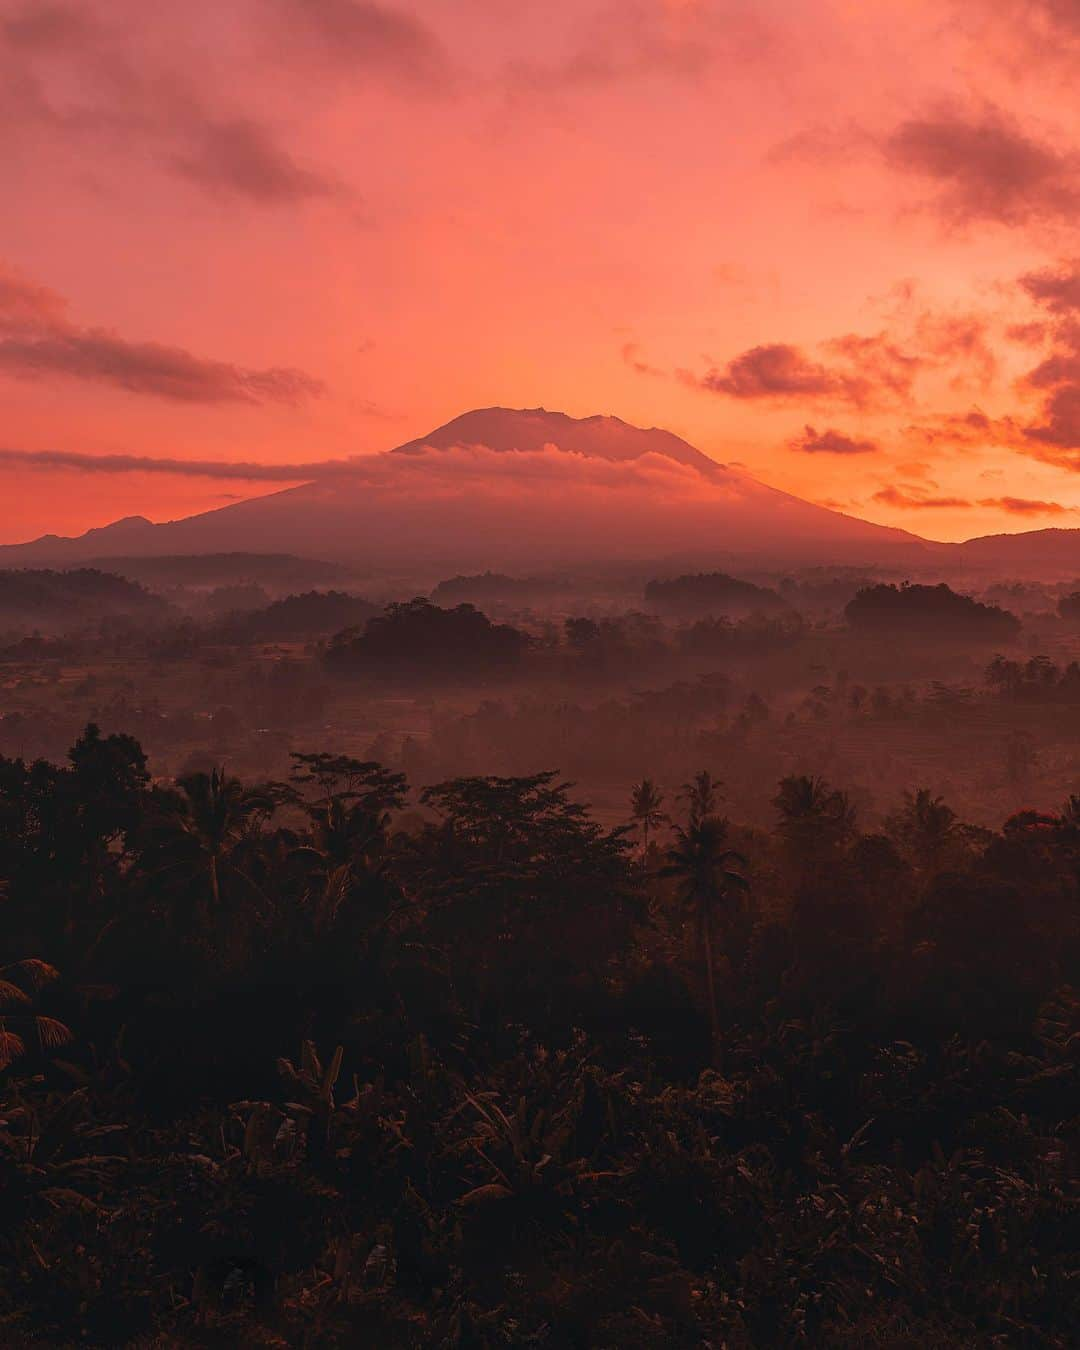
[313, 614]
[712, 593]
[418, 642]
[292, 1064]
[929, 611]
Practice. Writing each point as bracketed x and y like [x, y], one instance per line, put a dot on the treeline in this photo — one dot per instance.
[72, 599]
[329, 1062]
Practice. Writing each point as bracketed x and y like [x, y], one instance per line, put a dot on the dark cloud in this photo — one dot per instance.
[77, 82]
[986, 167]
[830, 442]
[241, 158]
[1056, 289]
[1024, 506]
[150, 368]
[356, 35]
[1057, 375]
[861, 371]
[1061, 367]
[916, 501]
[1061, 427]
[37, 340]
[776, 370]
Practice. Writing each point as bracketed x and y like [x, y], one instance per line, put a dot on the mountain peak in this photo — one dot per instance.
[531, 429]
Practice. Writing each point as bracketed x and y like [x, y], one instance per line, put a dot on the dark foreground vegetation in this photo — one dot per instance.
[316, 1063]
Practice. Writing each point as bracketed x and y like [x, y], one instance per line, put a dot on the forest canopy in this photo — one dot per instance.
[326, 1061]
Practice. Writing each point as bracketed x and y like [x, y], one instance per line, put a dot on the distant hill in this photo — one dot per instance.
[1052, 552]
[276, 570]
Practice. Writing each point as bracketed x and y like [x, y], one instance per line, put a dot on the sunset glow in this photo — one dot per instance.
[830, 242]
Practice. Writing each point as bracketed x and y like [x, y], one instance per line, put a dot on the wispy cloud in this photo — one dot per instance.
[240, 470]
[357, 36]
[37, 340]
[916, 501]
[1025, 506]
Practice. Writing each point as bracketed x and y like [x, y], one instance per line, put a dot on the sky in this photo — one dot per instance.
[835, 242]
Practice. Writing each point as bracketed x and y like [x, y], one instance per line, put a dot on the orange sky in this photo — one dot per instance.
[831, 241]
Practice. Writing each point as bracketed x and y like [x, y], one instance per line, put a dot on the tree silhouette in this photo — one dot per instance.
[703, 867]
[924, 828]
[199, 833]
[816, 821]
[647, 809]
[702, 795]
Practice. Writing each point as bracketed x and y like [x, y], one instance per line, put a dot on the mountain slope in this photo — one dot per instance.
[1053, 551]
[499, 486]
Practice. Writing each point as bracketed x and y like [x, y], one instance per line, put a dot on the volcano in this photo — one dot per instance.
[504, 487]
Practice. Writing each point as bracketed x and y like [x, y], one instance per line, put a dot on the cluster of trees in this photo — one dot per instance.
[1038, 680]
[1069, 605]
[928, 611]
[712, 593]
[323, 1062]
[419, 642]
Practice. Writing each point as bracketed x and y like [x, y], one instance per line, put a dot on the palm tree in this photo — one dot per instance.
[646, 807]
[703, 866]
[702, 795]
[816, 821]
[203, 831]
[925, 826]
[19, 982]
[1069, 818]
